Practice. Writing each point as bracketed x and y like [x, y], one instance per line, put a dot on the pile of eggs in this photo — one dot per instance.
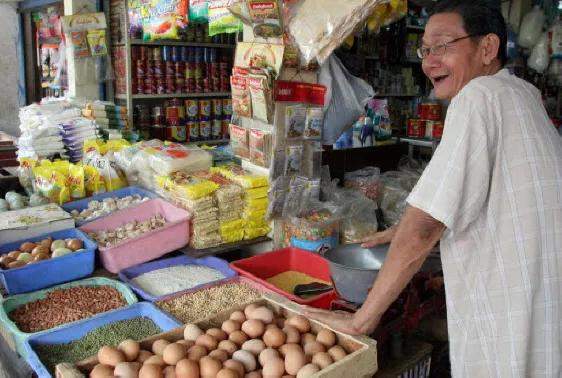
[250, 344]
[29, 253]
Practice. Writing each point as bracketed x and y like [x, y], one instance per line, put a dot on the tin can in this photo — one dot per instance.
[136, 53]
[416, 128]
[160, 86]
[184, 54]
[159, 69]
[150, 69]
[227, 107]
[216, 108]
[205, 130]
[176, 133]
[149, 86]
[216, 129]
[170, 68]
[180, 84]
[145, 133]
[191, 109]
[437, 131]
[156, 53]
[158, 132]
[170, 84]
[225, 126]
[204, 110]
[141, 68]
[180, 69]
[167, 53]
[142, 52]
[430, 111]
[193, 130]
[157, 115]
[175, 113]
[175, 54]
[429, 129]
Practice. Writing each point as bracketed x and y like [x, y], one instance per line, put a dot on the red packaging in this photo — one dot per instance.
[150, 68]
[175, 113]
[190, 77]
[430, 111]
[180, 69]
[437, 131]
[149, 86]
[142, 52]
[416, 128]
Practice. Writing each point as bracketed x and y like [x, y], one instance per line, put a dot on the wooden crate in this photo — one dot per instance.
[360, 362]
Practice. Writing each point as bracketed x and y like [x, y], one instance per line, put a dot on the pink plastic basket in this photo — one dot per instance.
[174, 235]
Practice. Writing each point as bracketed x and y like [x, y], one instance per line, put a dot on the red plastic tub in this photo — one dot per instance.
[261, 267]
[174, 235]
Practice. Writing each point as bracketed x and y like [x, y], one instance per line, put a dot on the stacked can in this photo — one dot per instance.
[226, 116]
[176, 121]
[141, 119]
[205, 127]
[190, 86]
[192, 120]
[224, 73]
[216, 118]
[199, 70]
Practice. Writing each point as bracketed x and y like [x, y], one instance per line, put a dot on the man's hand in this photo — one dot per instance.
[382, 237]
[340, 321]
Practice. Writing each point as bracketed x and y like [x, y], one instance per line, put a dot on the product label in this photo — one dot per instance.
[288, 91]
[318, 246]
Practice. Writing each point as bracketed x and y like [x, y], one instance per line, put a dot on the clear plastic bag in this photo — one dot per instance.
[393, 202]
[360, 220]
[366, 180]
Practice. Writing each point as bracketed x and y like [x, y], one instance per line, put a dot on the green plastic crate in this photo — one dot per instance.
[16, 338]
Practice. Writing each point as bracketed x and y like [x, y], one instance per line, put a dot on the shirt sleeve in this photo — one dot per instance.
[454, 186]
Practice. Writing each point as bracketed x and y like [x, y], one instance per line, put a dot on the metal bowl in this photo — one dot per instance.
[354, 269]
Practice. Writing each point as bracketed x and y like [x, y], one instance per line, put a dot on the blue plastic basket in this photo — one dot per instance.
[79, 329]
[127, 275]
[119, 193]
[49, 272]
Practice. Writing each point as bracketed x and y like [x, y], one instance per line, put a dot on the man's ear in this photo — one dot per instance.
[490, 44]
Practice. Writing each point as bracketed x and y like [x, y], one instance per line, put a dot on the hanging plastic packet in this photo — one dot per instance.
[97, 42]
[311, 193]
[295, 120]
[277, 197]
[260, 147]
[239, 141]
[198, 11]
[220, 18]
[25, 174]
[241, 100]
[163, 18]
[80, 44]
[259, 84]
[265, 17]
[313, 124]
[293, 161]
[294, 196]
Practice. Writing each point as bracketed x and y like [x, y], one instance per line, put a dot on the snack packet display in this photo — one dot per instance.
[76, 182]
[239, 141]
[295, 120]
[163, 18]
[51, 183]
[198, 11]
[313, 123]
[220, 18]
[93, 182]
[265, 17]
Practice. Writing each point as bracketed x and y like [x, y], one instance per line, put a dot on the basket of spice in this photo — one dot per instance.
[24, 315]
[119, 328]
[156, 280]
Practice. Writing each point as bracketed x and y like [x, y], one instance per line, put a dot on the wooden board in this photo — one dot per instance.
[360, 362]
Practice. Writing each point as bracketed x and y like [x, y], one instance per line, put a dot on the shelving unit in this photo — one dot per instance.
[178, 95]
[140, 42]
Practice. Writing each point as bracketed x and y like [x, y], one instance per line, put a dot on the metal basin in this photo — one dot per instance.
[353, 269]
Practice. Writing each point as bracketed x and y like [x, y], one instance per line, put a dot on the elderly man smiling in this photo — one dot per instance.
[492, 194]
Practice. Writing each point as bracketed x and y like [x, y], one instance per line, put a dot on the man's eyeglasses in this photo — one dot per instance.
[438, 50]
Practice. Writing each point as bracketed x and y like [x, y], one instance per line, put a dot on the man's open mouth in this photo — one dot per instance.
[438, 79]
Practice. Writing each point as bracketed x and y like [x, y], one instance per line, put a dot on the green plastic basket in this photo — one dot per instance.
[16, 338]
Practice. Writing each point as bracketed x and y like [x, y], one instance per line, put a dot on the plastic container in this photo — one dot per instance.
[260, 268]
[120, 193]
[81, 328]
[127, 275]
[60, 269]
[174, 235]
[16, 338]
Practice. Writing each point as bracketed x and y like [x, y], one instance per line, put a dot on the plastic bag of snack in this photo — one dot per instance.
[240, 176]
[367, 180]
[317, 229]
[360, 219]
[76, 181]
[198, 11]
[163, 19]
[313, 124]
[253, 233]
[295, 120]
[257, 193]
[51, 183]
[220, 18]
[277, 197]
[93, 183]
[239, 141]
[293, 160]
[265, 17]
[190, 187]
[256, 204]
[253, 215]
[25, 174]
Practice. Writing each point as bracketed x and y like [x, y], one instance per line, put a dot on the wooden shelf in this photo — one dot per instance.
[140, 42]
[179, 95]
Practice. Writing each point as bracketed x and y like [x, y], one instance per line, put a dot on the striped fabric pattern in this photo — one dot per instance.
[495, 181]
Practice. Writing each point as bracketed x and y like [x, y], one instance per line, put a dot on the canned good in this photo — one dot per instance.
[205, 130]
[193, 130]
[216, 129]
[184, 54]
[158, 132]
[191, 109]
[180, 69]
[204, 110]
[225, 124]
[429, 129]
[227, 107]
[160, 86]
[430, 111]
[180, 84]
[136, 53]
[159, 69]
[156, 53]
[170, 68]
[216, 108]
[167, 53]
[176, 133]
[416, 128]
[142, 52]
[175, 54]
[175, 113]
[437, 131]
[141, 68]
[150, 69]
[170, 84]
[157, 115]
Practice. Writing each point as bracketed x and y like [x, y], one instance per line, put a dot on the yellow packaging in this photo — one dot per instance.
[252, 233]
[93, 182]
[76, 181]
[256, 204]
[92, 145]
[257, 192]
[232, 236]
[196, 188]
[240, 176]
[257, 223]
[116, 145]
[233, 225]
[51, 183]
[253, 215]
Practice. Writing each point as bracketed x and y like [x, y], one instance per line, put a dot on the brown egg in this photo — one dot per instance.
[337, 352]
[253, 328]
[228, 346]
[170, 372]
[207, 341]
[218, 334]
[110, 356]
[130, 349]
[188, 343]
[173, 353]
[187, 369]
[326, 338]
[246, 358]
[307, 338]
[230, 326]
[254, 374]
[237, 366]
[313, 347]
[192, 332]
[151, 371]
[209, 366]
[74, 244]
[143, 356]
[238, 337]
[101, 371]
[227, 373]
[274, 367]
[271, 326]
[159, 345]
[127, 369]
[322, 359]
[262, 313]
[14, 254]
[274, 337]
[27, 247]
[16, 264]
[196, 352]
[238, 316]
[287, 347]
[40, 257]
[294, 361]
[308, 371]
[5, 260]
[39, 250]
[288, 376]
[248, 310]
[219, 354]
[46, 242]
[154, 360]
[254, 346]
[293, 334]
[299, 322]
[267, 354]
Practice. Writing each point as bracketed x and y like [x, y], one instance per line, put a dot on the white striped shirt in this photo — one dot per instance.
[495, 181]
